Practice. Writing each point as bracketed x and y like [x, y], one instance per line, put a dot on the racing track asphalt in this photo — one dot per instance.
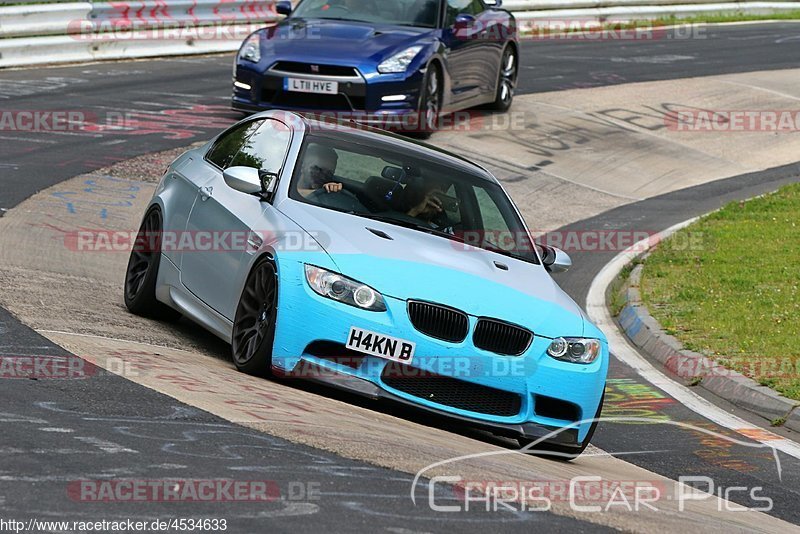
[198, 445]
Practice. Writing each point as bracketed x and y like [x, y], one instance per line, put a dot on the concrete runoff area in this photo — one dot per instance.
[580, 153]
[604, 147]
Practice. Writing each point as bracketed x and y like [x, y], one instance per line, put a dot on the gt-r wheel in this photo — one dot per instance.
[430, 102]
[560, 452]
[254, 324]
[507, 80]
[142, 271]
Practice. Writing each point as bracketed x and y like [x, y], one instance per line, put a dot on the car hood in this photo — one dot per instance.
[339, 42]
[409, 264]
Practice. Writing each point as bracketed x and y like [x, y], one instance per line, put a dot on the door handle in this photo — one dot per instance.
[206, 192]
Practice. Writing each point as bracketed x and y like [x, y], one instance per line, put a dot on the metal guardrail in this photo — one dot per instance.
[37, 33]
[33, 34]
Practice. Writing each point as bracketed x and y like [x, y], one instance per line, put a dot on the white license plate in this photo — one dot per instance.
[299, 85]
[387, 347]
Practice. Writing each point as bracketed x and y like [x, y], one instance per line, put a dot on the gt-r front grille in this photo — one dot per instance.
[321, 70]
[337, 102]
[502, 338]
[438, 321]
[451, 392]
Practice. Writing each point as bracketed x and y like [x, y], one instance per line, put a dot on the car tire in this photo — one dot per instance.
[430, 102]
[141, 274]
[562, 452]
[254, 323]
[506, 80]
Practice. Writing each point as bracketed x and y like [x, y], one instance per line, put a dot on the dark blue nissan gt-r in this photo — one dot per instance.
[391, 63]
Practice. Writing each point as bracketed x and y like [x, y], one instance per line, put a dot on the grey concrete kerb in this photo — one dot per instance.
[645, 332]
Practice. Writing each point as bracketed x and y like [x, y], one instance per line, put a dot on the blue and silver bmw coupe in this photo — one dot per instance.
[395, 64]
[378, 264]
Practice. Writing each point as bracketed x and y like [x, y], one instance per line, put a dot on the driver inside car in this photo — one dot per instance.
[423, 201]
[318, 170]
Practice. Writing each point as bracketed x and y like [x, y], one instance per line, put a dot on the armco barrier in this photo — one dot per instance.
[33, 34]
[58, 32]
[41, 19]
[181, 12]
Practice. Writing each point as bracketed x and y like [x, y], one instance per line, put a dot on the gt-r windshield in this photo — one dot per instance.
[423, 13]
[380, 181]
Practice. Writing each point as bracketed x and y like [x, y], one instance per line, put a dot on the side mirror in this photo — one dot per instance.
[249, 180]
[555, 260]
[283, 7]
[463, 21]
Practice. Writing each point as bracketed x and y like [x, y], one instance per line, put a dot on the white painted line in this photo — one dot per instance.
[164, 93]
[624, 351]
[763, 89]
[27, 139]
[104, 445]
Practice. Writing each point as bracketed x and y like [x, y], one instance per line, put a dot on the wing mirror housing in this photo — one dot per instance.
[251, 181]
[283, 7]
[555, 260]
[463, 22]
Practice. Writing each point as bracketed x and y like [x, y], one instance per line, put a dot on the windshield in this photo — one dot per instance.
[423, 13]
[375, 180]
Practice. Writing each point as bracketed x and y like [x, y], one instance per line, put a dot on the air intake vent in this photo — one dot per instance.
[502, 338]
[451, 392]
[438, 321]
[556, 409]
[381, 234]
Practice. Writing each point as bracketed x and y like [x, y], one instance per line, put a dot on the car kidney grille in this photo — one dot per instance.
[438, 321]
[500, 337]
[451, 392]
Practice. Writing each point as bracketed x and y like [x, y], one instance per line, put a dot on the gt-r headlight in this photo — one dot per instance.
[337, 287]
[400, 61]
[574, 349]
[251, 49]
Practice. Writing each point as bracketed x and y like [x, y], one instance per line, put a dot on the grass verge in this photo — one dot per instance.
[727, 286]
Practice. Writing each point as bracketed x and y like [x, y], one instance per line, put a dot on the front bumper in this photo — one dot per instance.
[359, 97]
[305, 320]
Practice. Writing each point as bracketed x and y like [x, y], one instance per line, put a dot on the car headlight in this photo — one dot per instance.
[338, 287]
[251, 49]
[400, 61]
[574, 349]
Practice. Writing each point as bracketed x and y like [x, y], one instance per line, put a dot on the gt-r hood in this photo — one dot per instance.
[340, 43]
[409, 264]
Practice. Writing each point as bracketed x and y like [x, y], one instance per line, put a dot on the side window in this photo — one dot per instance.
[457, 7]
[358, 167]
[266, 148]
[495, 228]
[228, 145]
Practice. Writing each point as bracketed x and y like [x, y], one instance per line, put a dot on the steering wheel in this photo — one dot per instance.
[343, 199]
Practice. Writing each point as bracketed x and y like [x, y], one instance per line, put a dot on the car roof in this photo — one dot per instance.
[355, 130]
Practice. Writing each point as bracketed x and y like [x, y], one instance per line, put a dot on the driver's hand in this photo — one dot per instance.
[332, 187]
[432, 203]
